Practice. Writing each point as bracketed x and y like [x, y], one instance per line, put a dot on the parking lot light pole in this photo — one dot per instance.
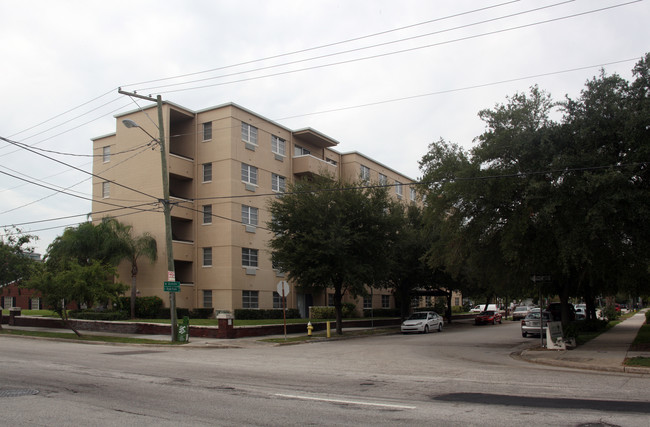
[165, 202]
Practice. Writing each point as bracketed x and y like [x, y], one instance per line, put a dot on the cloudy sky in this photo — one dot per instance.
[383, 77]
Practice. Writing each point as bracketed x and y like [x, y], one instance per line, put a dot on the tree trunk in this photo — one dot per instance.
[66, 321]
[338, 307]
[448, 313]
[133, 296]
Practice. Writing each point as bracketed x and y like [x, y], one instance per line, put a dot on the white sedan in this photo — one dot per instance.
[423, 322]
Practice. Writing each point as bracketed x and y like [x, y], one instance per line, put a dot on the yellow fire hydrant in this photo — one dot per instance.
[309, 329]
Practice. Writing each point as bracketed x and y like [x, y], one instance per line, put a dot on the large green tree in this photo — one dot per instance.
[132, 248]
[562, 198]
[330, 234]
[76, 283]
[15, 260]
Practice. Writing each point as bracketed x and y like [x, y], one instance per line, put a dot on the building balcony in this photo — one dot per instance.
[183, 251]
[182, 208]
[303, 165]
[181, 166]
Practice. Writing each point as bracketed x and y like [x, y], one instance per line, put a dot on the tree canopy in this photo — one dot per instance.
[564, 198]
[333, 234]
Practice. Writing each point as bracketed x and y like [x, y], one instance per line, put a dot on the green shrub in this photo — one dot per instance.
[381, 312]
[201, 313]
[98, 315]
[319, 312]
[145, 307]
[610, 313]
[647, 317]
[458, 309]
[348, 309]
[257, 314]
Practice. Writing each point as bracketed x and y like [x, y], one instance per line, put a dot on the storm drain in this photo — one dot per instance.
[18, 392]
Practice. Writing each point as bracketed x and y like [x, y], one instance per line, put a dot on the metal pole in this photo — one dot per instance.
[168, 220]
[166, 207]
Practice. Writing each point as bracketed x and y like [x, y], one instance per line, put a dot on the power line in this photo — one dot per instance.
[391, 53]
[74, 167]
[325, 45]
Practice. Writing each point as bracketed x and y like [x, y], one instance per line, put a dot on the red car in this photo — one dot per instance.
[485, 317]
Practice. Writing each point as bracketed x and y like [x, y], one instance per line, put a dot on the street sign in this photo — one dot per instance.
[172, 286]
[283, 288]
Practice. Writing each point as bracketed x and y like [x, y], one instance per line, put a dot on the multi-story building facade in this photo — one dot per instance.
[224, 163]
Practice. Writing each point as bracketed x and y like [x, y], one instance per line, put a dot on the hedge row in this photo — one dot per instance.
[255, 314]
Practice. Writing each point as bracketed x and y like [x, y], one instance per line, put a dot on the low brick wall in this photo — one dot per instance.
[223, 331]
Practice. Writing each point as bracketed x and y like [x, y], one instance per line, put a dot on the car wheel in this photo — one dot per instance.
[439, 327]
[524, 334]
[500, 321]
[493, 322]
[426, 329]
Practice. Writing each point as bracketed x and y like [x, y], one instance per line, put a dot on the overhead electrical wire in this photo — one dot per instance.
[361, 48]
[325, 45]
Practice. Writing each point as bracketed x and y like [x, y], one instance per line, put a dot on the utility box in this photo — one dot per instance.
[184, 330]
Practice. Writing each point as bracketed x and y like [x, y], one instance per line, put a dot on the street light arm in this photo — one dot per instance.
[131, 124]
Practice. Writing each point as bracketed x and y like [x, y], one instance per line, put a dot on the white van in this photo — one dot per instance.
[481, 307]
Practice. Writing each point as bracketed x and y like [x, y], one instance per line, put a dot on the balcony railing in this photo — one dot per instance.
[309, 164]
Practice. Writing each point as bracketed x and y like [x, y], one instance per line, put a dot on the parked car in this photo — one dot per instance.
[530, 324]
[581, 313]
[489, 316]
[520, 312]
[423, 322]
[481, 307]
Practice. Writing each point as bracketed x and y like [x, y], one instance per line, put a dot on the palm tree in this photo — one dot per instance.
[131, 248]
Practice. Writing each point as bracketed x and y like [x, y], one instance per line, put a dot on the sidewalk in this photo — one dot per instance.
[606, 352]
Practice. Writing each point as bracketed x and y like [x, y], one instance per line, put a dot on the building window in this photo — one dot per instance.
[249, 133]
[278, 183]
[8, 302]
[277, 300]
[331, 161]
[456, 301]
[106, 154]
[249, 215]
[385, 301]
[330, 300]
[106, 189]
[35, 303]
[207, 299]
[278, 145]
[413, 194]
[383, 179]
[249, 174]
[300, 151]
[250, 299]
[207, 257]
[365, 173]
[207, 131]
[398, 188]
[207, 172]
[248, 257]
[207, 214]
[367, 302]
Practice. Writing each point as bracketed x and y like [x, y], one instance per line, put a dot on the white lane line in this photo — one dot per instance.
[349, 402]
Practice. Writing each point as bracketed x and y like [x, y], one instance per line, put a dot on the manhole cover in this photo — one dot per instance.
[16, 393]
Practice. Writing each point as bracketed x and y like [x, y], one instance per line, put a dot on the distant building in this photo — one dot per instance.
[224, 164]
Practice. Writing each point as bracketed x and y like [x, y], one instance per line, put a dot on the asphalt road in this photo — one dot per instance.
[463, 376]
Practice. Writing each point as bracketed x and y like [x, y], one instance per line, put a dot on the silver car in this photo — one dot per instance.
[423, 322]
[520, 312]
[530, 324]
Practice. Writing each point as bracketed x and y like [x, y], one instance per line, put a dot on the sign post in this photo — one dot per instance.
[283, 291]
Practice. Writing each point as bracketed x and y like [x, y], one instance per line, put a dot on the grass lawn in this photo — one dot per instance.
[97, 338]
[641, 343]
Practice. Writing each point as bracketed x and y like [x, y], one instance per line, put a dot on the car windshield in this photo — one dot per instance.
[521, 309]
[415, 316]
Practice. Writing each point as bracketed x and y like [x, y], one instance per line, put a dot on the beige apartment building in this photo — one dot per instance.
[225, 163]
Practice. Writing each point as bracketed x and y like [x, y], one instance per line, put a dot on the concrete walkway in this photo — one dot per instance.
[606, 352]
